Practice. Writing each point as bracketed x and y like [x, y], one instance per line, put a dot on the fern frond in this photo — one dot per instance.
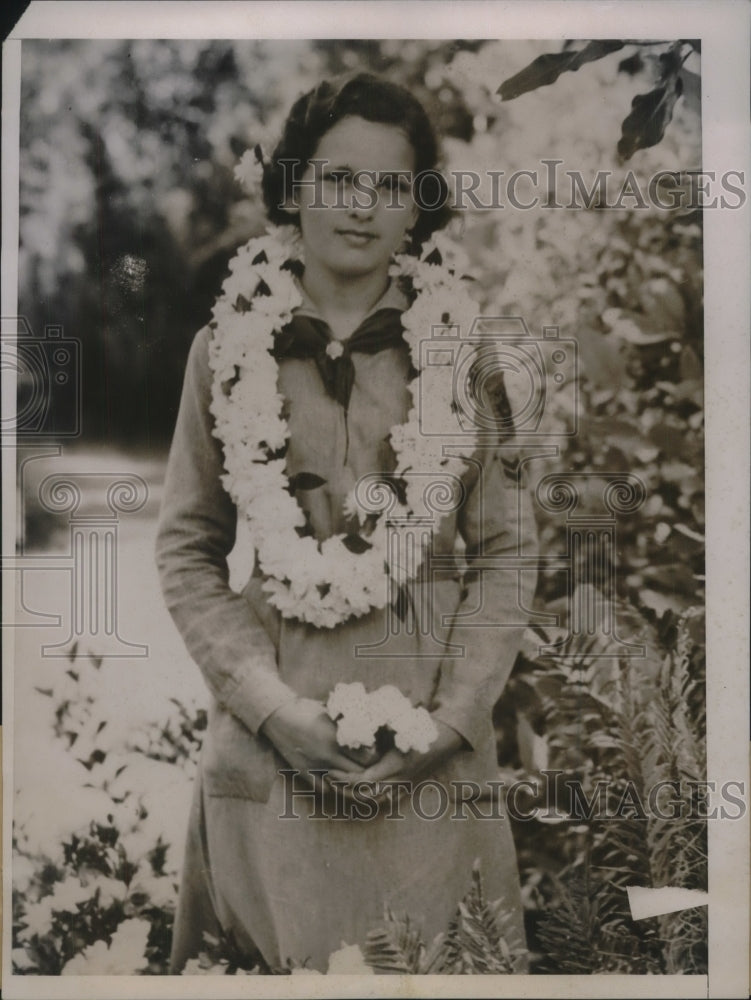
[480, 939]
[396, 946]
[568, 932]
[685, 941]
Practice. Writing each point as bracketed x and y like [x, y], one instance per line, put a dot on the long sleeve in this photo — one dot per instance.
[495, 520]
[196, 532]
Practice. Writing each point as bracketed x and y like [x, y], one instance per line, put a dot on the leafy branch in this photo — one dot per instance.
[650, 114]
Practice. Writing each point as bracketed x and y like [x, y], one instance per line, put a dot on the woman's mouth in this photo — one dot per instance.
[356, 237]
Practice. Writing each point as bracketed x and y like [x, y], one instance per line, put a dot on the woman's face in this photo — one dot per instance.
[361, 226]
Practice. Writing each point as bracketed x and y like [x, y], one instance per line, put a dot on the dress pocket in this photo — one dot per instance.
[235, 763]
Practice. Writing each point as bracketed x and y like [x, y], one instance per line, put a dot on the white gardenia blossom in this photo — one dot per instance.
[414, 732]
[348, 961]
[346, 697]
[249, 170]
[356, 731]
[64, 899]
[193, 967]
[20, 960]
[124, 956]
[352, 508]
[109, 889]
[160, 889]
[328, 583]
[359, 715]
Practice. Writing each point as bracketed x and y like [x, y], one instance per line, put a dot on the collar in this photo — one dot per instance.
[392, 298]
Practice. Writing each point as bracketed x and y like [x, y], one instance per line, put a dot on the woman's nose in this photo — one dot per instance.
[359, 208]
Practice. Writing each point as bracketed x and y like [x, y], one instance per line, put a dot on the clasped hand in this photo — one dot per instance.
[305, 736]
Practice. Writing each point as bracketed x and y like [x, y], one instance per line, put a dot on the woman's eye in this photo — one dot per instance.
[393, 182]
[337, 177]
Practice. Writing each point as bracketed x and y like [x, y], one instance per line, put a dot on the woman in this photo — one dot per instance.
[299, 391]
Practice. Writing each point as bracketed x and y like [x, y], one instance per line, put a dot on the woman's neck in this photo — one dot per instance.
[343, 302]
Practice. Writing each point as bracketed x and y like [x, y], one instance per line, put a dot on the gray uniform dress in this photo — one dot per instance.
[296, 888]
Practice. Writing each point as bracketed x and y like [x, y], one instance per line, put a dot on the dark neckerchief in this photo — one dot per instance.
[308, 337]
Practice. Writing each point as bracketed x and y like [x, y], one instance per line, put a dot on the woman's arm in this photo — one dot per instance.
[496, 520]
[196, 532]
[223, 634]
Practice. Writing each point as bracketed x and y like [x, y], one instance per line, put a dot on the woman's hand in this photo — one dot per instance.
[305, 736]
[413, 765]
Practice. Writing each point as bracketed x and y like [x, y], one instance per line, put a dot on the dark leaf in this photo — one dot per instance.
[305, 481]
[96, 757]
[260, 258]
[242, 305]
[400, 488]
[546, 69]
[650, 115]
[402, 602]
[262, 289]
[356, 543]
[631, 64]
[295, 267]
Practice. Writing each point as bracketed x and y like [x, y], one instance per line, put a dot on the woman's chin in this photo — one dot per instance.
[354, 268]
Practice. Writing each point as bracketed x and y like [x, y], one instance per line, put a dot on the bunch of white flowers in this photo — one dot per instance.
[359, 714]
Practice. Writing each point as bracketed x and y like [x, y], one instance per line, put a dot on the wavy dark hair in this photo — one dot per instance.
[367, 96]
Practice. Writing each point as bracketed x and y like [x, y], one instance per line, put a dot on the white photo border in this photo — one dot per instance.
[723, 27]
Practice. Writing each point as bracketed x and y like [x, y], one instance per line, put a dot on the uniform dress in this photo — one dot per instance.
[297, 888]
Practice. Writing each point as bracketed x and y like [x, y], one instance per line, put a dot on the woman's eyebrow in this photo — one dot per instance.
[342, 168]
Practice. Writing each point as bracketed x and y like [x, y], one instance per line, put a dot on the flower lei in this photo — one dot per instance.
[324, 583]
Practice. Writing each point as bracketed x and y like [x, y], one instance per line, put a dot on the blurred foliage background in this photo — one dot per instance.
[129, 215]
[130, 212]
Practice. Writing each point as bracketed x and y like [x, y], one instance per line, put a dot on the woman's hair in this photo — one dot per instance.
[376, 100]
